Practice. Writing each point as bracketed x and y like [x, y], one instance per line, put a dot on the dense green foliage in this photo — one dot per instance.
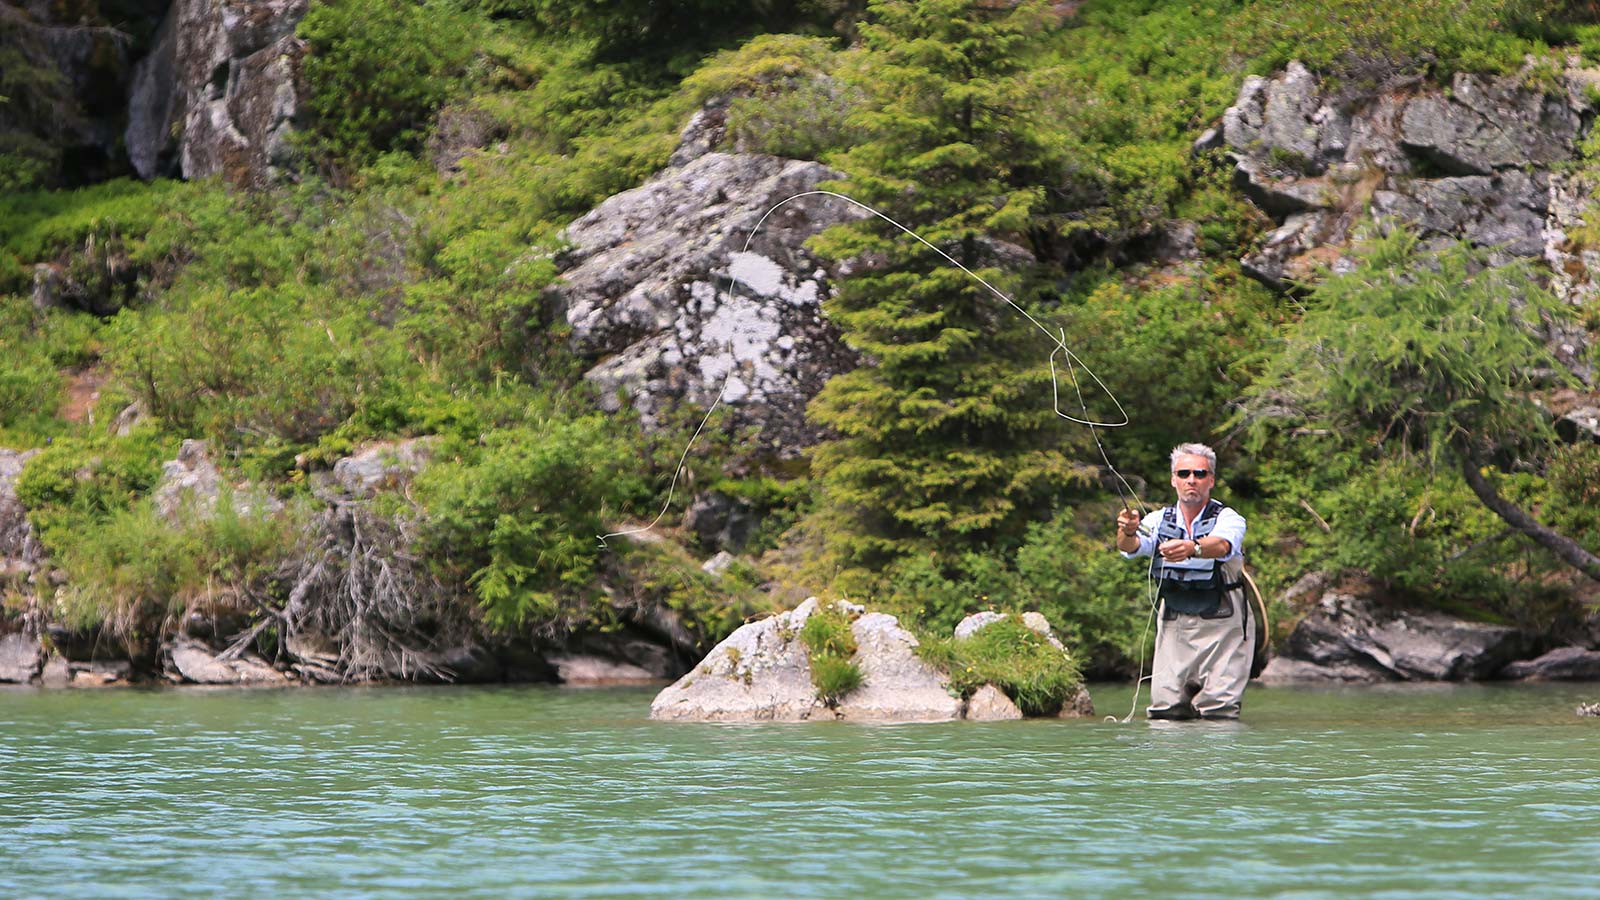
[1427, 351]
[398, 291]
[522, 514]
[1404, 370]
[380, 70]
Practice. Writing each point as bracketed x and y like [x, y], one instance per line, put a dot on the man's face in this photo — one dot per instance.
[1192, 488]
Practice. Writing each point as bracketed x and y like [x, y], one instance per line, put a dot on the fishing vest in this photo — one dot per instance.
[1205, 592]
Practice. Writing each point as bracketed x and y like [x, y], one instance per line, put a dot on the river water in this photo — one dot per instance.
[1412, 791]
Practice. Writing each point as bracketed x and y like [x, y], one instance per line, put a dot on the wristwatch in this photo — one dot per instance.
[1199, 553]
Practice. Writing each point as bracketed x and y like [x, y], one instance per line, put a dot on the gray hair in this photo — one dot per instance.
[1195, 450]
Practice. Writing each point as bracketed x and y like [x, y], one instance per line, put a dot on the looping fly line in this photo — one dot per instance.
[1058, 339]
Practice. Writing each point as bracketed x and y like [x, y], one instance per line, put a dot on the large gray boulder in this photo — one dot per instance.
[661, 292]
[762, 672]
[1351, 638]
[1560, 664]
[379, 466]
[192, 483]
[990, 704]
[759, 673]
[1487, 124]
[21, 658]
[196, 663]
[897, 686]
[218, 93]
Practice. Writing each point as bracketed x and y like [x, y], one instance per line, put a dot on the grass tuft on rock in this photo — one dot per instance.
[1036, 674]
[830, 644]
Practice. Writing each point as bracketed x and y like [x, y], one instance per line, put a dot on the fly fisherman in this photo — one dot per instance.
[1206, 637]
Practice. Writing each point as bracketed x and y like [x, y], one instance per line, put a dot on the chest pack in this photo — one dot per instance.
[1196, 591]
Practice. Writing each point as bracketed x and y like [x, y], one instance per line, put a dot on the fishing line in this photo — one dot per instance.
[1058, 339]
[1073, 361]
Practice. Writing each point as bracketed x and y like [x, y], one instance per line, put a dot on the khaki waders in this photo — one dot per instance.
[1202, 663]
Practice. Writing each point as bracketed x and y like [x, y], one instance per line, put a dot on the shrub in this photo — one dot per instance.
[78, 481]
[1097, 601]
[517, 518]
[41, 226]
[375, 71]
[1036, 674]
[830, 644]
[133, 570]
[254, 365]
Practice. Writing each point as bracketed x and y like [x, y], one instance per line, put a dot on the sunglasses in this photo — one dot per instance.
[1201, 474]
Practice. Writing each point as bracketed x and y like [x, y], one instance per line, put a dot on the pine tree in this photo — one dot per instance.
[947, 438]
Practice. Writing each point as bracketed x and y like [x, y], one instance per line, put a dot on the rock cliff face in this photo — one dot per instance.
[71, 61]
[163, 88]
[1479, 161]
[217, 95]
[1471, 162]
[661, 291]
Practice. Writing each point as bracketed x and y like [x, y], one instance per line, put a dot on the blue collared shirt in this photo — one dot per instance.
[1229, 527]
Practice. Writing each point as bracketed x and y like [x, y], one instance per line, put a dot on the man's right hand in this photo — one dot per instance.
[1128, 522]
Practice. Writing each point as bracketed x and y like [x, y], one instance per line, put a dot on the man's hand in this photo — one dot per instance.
[1178, 549]
[1128, 522]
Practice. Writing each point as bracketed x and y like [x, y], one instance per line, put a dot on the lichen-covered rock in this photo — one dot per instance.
[196, 663]
[1488, 124]
[990, 704]
[660, 289]
[1355, 638]
[386, 465]
[1505, 211]
[762, 672]
[192, 482]
[1459, 164]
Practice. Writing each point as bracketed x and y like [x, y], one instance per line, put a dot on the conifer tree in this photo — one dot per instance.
[947, 438]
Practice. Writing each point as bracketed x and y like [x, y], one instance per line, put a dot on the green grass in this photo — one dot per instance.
[1036, 674]
[830, 644]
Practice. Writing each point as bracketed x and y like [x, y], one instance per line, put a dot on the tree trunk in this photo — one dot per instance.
[1562, 546]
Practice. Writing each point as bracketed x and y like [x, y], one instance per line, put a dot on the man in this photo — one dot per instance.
[1205, 641]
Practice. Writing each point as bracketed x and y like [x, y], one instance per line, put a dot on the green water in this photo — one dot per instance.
[1475, 791]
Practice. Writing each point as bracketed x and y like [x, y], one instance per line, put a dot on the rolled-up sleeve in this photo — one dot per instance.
[1230, 527]
[1147, 536]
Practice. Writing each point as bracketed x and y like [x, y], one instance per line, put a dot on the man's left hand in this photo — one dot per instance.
[1179, 549]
